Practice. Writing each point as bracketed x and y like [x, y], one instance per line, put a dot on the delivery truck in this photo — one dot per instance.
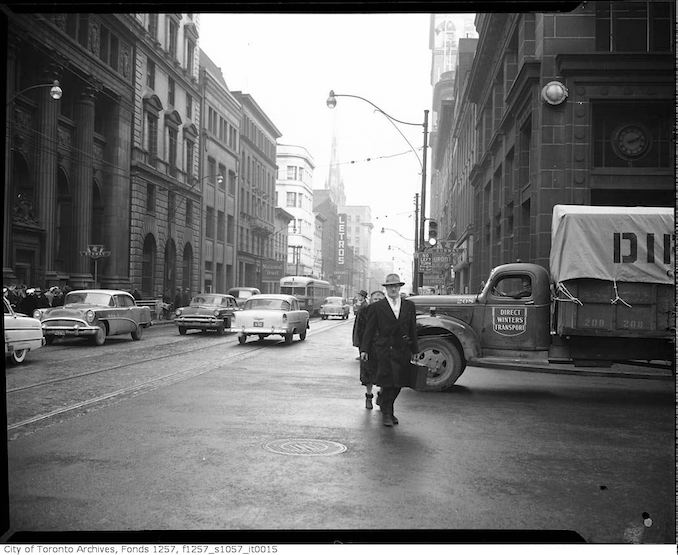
[607, 296]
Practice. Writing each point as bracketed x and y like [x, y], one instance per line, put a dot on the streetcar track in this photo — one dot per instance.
[171, 378]
[201, 347]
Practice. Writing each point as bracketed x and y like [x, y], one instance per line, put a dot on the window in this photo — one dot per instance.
[229, 230]
[150, 73]
[301, 174]
[114, 53]
[189, 158]
[171, 86]
[634, 26]
[514, 287]
[221, 226]
[152, 137]
[212, 170]
[189, 106]
[299, 200]
[291, 172]
[231, 182]
[172, 153]
[189, 212]
[209, 222]
[190, 53]
[153, 25]
[222, 174]
[172, 45]
[171, 203]
[150, 198]
[291, 199]
[83, 29]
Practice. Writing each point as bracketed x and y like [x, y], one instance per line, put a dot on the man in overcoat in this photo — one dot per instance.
[391, 335]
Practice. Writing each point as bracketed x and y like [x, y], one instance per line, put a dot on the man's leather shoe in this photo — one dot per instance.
[368, 401]
[395, 420]
[387, 420]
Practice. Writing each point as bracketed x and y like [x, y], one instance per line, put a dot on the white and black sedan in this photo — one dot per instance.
[271, 314]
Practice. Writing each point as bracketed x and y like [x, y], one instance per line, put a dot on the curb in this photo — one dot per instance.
[523, 366]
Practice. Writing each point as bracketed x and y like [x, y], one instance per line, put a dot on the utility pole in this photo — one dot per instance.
[415, 271]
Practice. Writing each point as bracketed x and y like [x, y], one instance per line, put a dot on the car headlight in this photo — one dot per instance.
[89, 316]
[37, 314]
[178, 312]
[216, 313]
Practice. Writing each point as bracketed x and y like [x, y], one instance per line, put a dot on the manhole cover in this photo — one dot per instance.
[305, 447]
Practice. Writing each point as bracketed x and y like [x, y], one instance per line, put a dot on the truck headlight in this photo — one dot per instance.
[89, 316]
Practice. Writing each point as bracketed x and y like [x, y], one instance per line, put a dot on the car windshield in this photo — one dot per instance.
[333, 300]
[84, 297]
[202, 300]
[267, 304]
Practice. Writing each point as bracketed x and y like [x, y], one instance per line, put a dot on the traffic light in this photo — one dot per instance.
[432, 232]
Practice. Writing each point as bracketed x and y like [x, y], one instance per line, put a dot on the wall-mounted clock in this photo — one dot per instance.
[631, 140]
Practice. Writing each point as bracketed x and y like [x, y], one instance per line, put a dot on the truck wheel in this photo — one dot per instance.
[443, 360]
[242, 339]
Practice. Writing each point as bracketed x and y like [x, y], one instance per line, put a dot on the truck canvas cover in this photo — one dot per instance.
[615, 243]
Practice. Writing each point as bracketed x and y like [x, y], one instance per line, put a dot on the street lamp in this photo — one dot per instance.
[95, 252]
[332, 102]
[55, 90]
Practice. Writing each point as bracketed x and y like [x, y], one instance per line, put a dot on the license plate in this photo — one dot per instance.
[59, 332]
[258, 324]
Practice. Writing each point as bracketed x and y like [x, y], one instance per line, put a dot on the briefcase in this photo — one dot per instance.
[414, 376]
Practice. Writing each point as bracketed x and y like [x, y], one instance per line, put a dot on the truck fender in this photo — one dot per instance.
[465, 335]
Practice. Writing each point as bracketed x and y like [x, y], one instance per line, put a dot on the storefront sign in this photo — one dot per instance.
[341, 239]
[272, 270]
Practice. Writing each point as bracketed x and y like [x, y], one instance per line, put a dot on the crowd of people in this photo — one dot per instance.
[25, 300]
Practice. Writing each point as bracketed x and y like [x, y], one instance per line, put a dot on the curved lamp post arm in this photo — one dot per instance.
[397, 233]
[332, 102]
[55, 91]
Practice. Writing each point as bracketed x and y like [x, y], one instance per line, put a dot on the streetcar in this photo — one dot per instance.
[310, 292]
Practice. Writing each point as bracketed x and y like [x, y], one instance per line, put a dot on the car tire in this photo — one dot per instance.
[324, 317]
[444, 361]
[220, 329]
[49, 339]
[302, 335]
[100, 338]
[182, 330]
[242, 339]
[17, 357]
[138, 333]
[289, 337]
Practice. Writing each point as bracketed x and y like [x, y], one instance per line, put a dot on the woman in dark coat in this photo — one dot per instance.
[357, 309]
[393, 340]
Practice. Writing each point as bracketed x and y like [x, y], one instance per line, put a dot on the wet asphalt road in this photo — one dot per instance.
[501, 450]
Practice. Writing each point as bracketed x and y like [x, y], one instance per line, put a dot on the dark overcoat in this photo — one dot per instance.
[392, 342]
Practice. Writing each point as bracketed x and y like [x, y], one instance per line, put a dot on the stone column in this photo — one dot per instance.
[116, 196]
[8, 276]
[82, 190]
[46, 172]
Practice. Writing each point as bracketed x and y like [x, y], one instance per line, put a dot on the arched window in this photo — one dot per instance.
[148, 267]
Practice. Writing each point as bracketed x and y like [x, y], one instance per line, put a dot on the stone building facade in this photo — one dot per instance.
[67, 160]
[571, 108]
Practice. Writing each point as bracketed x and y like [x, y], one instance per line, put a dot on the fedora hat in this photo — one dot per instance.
[393, 279]
[363, 293]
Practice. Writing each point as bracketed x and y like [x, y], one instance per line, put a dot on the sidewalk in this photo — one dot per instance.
[617, 370]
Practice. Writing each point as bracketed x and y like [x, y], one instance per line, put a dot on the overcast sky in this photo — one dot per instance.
[289, 63]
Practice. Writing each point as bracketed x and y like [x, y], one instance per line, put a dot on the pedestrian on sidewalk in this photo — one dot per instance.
[391, 336]
[367, 367]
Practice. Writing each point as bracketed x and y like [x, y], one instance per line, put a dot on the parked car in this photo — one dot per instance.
[241, 294]
[335, 306]
[208, 311]
[96, 314]
[22, 334]
[270, 314]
